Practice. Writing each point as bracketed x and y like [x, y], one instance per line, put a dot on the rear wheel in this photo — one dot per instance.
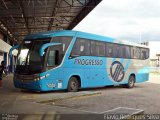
[131, 82]
[73, 84]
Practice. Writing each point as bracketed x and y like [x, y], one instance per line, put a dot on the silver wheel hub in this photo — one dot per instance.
[73, 85]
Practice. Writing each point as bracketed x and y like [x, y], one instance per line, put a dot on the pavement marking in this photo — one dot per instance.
[119, 108]
[80, 110]
[58, 101]
[138, 110]
[130, 108]
[110, 110]
[93, 112]
[69, 98]
[73, 109]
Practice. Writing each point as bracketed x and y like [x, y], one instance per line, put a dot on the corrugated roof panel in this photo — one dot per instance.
[23, 17]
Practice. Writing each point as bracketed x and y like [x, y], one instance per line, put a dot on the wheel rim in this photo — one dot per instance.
[131, 82]
[73, 85]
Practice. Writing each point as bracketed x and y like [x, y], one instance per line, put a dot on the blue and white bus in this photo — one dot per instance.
[59, 60]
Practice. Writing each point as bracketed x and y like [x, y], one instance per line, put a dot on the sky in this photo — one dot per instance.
[154, 49]
[132, 20]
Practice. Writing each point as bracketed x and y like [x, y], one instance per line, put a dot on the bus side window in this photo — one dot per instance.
[76, 49]
[55, 56]
[93, 48]
[139, 53]
[65, 40]
[136, 52]
[97, 48]
[128, 52]
[81, 47]
[147, 53]
[133, 52]
[87, 46]
[117, 51]
[123, 51]
[100, 48]
[51, 59]
[109, 50]
[144, 54]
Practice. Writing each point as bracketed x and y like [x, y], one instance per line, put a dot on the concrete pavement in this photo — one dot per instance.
[143, 96]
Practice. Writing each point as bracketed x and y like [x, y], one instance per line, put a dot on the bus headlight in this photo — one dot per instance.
[41, 77]
[36, 79]
[47, 75]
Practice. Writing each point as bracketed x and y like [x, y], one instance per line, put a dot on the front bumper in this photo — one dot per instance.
[29, 82]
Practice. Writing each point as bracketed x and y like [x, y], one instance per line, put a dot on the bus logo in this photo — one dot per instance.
[117, 71]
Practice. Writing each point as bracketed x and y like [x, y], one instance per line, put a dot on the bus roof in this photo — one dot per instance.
[51, 34]
[81, 35]
[68, 33]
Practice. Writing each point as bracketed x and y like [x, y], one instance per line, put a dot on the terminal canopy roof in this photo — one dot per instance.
[19, 18]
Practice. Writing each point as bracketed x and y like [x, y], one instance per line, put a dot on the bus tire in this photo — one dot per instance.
[73, 85]
[131, 82]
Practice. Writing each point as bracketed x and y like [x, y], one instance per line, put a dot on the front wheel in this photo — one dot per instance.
[73, 85]
[131, 82]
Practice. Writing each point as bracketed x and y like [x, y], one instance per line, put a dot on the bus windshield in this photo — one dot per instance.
[30, 62]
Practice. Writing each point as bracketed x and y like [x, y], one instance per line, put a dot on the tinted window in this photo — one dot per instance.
[123, 51]
[55, 56]
[144, 53]
[100, 48]
[118, 51]
[136, 52]
[97, 48]
[56, 53]
[81, 47]
[65, 40]
[84, 47]
[127, 52]
[51, 58]
[34, 58]
[93, 48]
[109, 49]
[29, 60]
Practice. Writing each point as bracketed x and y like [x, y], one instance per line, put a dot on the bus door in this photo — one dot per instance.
[53, 56]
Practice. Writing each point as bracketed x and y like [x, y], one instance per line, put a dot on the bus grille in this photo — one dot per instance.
[25, 78]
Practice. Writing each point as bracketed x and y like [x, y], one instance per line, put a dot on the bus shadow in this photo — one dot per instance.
[112, 87]
[42, 92]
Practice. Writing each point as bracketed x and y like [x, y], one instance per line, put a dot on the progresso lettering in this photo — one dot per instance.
[88, 62]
